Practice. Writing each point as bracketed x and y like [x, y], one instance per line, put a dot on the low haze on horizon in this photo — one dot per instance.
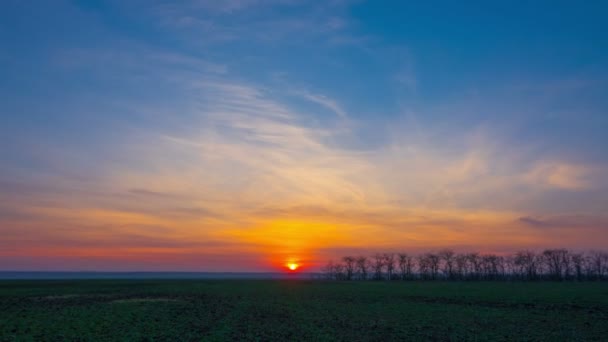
[249, 135]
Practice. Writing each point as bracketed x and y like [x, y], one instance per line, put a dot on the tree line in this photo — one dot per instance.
[551, 264]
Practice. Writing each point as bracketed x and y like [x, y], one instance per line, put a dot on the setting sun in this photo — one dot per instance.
[292, 266]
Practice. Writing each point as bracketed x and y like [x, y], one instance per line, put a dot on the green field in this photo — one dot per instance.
[218, 310]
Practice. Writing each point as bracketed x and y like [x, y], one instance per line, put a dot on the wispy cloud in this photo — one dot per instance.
[565, 221]
[560, 175]
[325, 102]
[216, 19]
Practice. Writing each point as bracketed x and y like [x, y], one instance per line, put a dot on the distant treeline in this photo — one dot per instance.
[551, 264]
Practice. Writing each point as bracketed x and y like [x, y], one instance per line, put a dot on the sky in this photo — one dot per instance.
[242, 135]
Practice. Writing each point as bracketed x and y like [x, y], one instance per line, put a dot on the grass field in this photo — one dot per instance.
[217, 310]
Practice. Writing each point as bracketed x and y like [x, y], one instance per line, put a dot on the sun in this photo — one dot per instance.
[292, 266]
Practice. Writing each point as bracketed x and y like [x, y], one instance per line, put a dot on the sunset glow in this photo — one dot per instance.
[273, 136]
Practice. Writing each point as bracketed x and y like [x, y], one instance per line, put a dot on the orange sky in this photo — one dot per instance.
[215, 202]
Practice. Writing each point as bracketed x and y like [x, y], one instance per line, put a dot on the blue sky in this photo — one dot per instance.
[144, 124]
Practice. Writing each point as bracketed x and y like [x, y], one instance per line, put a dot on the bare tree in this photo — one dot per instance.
[361, 264]
[349, 266]
[493, 266]
[447, 256]
[389, 264]
[339, 272]
[554, 264]
[378, 265]
[406, 265]
[527, 262]
[567, 265]
[475, 265]
[599, 264]
[556, 260]
[429, 262]
[462, 266]
[589, 268]
[424, 267]
[509, 266]
[578, 263]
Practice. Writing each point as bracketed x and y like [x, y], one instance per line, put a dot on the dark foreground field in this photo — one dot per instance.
[217, 310]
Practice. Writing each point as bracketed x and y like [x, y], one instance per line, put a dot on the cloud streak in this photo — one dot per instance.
[326, 102]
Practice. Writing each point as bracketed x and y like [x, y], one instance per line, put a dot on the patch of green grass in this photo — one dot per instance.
[217, 310]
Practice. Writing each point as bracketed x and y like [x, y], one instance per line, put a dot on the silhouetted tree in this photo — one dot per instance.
[378, 265]
[578, 264]
[553, 264]
[362, 266]
[349, 266]
[462, 266]
[423, 267]
[475, 265]
[428, 264]
[599, 264]
[509, 265]
[447, 257]
[556, 262]
[406, 265]
[389, 264]
[526, 261]
[339, 272]
[493, 266]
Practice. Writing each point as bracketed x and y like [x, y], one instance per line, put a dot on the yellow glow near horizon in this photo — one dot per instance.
[292, 266]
